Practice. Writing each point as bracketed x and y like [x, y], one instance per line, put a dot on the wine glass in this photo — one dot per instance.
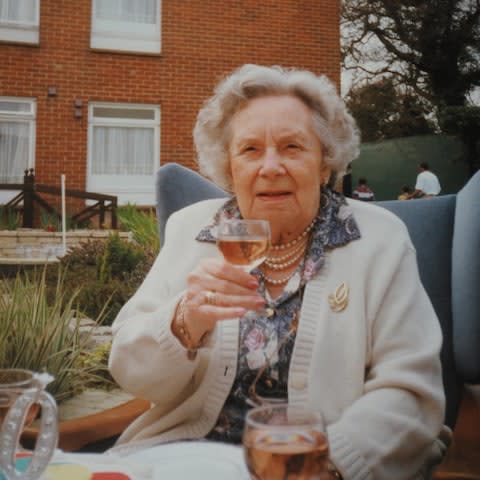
[285, 442]
[22, 396]
[244, 243]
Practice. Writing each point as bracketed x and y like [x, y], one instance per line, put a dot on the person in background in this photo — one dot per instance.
[342, 322]
[347, 182]
[427, 184]
[363, 191]
[405, 195]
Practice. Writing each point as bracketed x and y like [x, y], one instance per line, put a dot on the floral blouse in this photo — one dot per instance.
[267, 337]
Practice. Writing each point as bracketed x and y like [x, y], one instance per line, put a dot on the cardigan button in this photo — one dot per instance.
[299, 382]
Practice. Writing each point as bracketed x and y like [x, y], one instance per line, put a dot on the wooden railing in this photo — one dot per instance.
[29, 194]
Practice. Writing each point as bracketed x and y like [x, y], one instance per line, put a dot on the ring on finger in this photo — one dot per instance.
[210, 297]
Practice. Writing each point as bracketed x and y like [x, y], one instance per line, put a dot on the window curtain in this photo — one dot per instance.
[122, 151]
[18, 11]
[9, 106]
[139, 11]
[14, 145]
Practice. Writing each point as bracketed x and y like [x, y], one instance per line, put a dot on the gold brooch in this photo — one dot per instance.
[339, 300]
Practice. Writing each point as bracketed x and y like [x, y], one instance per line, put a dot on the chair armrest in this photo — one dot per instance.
[78, 432]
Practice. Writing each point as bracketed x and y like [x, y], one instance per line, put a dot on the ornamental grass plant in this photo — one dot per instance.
[142, 224]
[10, 219]
[42, 334]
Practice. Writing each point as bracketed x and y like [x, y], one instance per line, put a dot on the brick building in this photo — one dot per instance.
[107, 90]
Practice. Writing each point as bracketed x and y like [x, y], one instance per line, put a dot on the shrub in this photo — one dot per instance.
[93, 366]
[106, 274]
[118, 259]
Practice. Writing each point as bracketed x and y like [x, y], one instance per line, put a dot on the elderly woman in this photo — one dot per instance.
[347, 326]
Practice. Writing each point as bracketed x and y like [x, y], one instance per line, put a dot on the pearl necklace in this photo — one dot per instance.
[279, 281]
[276, 265]
[296, 249]
[293, 242]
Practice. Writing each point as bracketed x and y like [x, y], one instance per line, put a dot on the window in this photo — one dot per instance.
[126, 25]
[17, 141]
[17, 137]
[123, 151]
[19, 20]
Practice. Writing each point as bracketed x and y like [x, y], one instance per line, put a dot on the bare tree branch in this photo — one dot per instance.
[434, 45]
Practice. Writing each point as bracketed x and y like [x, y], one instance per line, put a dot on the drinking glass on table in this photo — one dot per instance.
[285, 442]
[22, 397]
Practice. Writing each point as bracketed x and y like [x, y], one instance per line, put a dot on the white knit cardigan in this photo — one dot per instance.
[373, 368]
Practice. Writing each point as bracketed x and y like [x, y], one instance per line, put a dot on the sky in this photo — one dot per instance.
[346, 81]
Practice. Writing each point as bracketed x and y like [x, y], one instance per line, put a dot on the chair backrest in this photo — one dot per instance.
[430, 223]
[176, 187]
[446, 233]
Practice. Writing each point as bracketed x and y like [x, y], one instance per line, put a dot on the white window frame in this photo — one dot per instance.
[126, 36]
[28, 117]
[137, 189]
[22, 31]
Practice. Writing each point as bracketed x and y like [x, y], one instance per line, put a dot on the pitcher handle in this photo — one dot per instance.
[12, 428]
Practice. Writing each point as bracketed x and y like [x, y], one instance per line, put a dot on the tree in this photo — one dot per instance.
[464, 121]
[428, 49]
[431, 47]
[383, 112]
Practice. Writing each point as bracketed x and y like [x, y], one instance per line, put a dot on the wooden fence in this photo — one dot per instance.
[29, 195]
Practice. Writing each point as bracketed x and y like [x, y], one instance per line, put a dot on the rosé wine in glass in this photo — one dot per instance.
[244, 243]
[285, 442]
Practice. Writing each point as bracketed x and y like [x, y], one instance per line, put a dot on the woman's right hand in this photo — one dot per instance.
[217, 290]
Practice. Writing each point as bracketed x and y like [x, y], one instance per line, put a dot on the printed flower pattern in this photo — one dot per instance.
[309, 270]
[255, 339]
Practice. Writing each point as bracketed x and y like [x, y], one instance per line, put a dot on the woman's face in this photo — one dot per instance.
[276, 164]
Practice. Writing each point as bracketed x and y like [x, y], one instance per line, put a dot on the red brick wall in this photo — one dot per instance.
[201, 41]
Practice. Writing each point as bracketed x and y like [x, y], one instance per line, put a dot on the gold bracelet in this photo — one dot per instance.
[184, 332]
[332, 469]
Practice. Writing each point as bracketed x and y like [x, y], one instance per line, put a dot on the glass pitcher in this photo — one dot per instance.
[22, 396]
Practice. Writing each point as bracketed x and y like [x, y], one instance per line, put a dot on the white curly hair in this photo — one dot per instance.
[335, 127]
